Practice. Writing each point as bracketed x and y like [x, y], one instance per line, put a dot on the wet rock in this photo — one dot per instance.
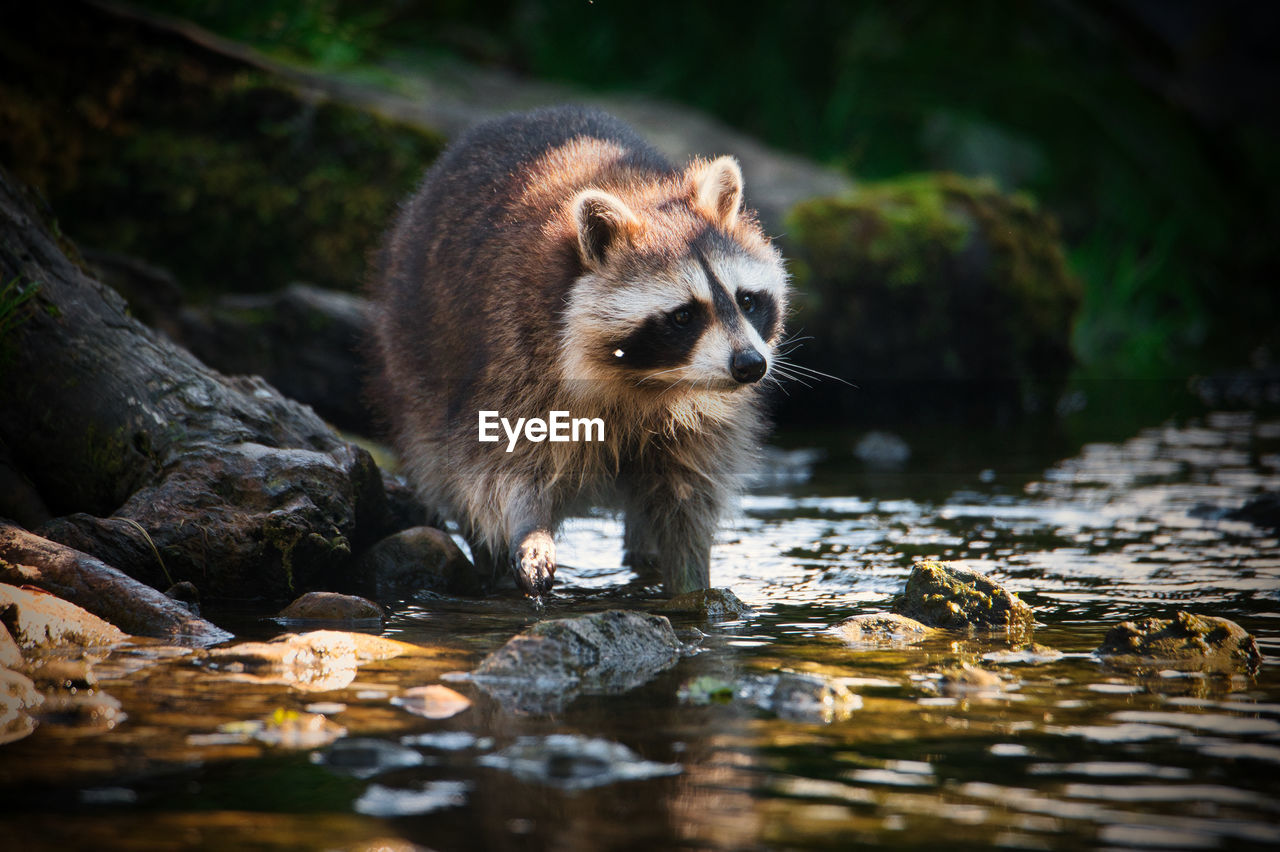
[938, 283]
[940, 594]
[382, 801]
[185, 593]
[799, 697]
[172, 470]
[317, 661]
[545, 667]
[10, 653]
[414, 560]
[966, 679]
[572, 762]
[331, 606]
[1194, 642]
[708, 605]
[40, 620]
[365, 758]
[1031, 653]
[18, 698]
[882, 628]
[432, 702]
[1261, 511]
[27, 559]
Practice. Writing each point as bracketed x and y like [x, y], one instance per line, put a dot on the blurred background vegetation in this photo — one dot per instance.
[1147, 128]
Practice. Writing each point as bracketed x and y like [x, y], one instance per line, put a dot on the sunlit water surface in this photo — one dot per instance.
[1066, 752]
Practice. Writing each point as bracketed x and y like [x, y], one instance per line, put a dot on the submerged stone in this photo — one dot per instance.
[317, 661]
[331, 606]
[940, 594]
[708, 604]
[366, 757]
[434, 701]
[966, 679]
[573, 762]
[545, 667]
[1198, 642]
[800, 697]
[882, 628]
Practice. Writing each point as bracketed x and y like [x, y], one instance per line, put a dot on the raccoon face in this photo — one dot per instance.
[680, 297]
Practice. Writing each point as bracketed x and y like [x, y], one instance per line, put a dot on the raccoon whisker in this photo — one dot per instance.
[809, 371]
[790, 376]
[777, 383]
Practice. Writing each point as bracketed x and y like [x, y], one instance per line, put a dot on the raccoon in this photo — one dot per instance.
[555, 261]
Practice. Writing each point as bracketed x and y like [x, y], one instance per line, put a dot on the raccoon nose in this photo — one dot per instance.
[747, 366]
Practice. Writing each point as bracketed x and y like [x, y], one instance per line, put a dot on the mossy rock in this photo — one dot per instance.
[708, 605]
[951, 597]
[934, 280]
[148, 144]
[1187, 641]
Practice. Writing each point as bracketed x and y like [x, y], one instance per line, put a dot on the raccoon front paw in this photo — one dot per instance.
[534, 563]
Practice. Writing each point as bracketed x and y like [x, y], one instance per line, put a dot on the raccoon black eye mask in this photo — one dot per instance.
[554, 261]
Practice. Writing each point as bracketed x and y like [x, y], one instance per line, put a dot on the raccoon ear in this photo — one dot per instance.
[717, 189]
[603, 221]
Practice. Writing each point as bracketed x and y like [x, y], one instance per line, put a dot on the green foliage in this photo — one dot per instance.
[14, 297]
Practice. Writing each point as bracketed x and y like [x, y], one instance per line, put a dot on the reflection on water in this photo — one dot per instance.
[951, 740]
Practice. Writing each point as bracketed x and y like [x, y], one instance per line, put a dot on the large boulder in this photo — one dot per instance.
[933, 291]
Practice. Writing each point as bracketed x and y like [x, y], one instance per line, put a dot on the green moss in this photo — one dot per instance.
[1187, 641]
[934, 276]
[15, 307]
[939, 594]
[229, 177]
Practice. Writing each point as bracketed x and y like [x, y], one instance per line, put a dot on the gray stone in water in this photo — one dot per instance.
[366, 757]
[572, 762]
[940, 594]
[414, 560]
[882, 450]
[708, 604]
[330, 606]
[882, 628]
[1196, 642]
[800, 697]
[544, 668]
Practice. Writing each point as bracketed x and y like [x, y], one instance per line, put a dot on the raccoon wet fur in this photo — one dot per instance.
[555, 261]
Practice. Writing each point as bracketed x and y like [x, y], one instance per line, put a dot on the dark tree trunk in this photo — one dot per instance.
[157, 464]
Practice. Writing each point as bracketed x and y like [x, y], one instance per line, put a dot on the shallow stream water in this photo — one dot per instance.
[1062, 751]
